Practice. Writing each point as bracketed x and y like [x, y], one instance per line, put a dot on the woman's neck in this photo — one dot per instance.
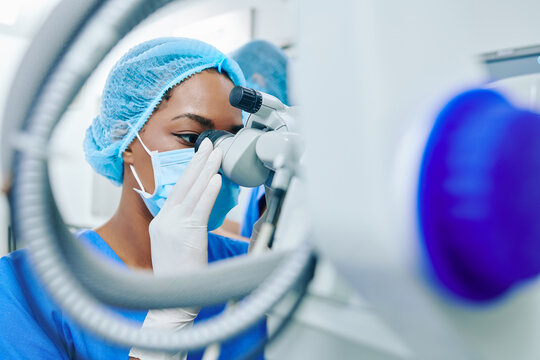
[127, 231]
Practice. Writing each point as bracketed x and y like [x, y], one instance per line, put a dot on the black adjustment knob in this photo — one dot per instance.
[213, 135]
[246, 99]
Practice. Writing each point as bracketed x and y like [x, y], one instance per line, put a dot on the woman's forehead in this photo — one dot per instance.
[207, 92]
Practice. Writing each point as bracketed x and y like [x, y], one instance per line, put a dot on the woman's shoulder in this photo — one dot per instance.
[27, 314]
[31, 323]
[8, 264]
[13, 265]
[221, 247]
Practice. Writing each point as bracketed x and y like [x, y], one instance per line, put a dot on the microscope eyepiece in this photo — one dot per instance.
[213, 135]
[246, 99]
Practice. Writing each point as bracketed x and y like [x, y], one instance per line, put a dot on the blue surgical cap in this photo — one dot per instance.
[265, 67]
[134, 88]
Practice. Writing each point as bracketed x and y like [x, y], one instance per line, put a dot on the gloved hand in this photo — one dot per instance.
[179, 237]
[178, 234]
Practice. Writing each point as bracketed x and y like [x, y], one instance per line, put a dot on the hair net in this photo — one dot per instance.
[265, 67]
[134, 88]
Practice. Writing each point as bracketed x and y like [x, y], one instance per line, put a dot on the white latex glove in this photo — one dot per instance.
[179, 237]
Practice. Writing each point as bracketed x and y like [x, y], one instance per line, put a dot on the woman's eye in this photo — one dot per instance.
[188, 138]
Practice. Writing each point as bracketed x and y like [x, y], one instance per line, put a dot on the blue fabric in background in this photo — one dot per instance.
[265, 68]
[252, 212]
[34, 327]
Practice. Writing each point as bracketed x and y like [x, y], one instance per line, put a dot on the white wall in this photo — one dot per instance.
[18, 22]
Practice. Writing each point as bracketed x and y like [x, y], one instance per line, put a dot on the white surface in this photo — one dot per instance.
[523, 91]
[387, 68]
[334, 308]
[338, 323]
[18, 21]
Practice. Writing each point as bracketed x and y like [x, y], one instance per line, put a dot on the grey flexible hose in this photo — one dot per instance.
[56, 253]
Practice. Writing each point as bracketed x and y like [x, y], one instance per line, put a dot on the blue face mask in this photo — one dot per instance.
[168, 166]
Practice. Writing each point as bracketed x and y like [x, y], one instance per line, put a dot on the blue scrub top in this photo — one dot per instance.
[32, 326]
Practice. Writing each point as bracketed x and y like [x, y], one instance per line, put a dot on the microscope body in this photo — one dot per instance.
[268, 141]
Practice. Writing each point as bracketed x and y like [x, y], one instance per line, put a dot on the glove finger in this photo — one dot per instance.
[190, 174]
[210, 169]
[208, 198]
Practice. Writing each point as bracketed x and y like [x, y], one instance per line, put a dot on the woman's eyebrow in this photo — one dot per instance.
[198, 118]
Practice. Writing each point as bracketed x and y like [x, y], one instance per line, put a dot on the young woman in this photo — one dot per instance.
[158, 98]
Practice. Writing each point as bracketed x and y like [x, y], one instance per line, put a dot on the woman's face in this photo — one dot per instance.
[197, 104]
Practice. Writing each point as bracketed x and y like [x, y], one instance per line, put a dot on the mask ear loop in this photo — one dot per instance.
[133, 168]
[142, 143]
[137, 179]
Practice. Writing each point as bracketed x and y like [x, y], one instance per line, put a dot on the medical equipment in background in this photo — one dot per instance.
[508, 63]
[263, 152]
[68, 270]
[515, 72]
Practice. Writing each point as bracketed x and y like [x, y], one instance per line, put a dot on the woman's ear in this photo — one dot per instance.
[127, 156]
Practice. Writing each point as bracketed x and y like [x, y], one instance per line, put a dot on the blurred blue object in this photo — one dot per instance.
[136, 85]
[254, 210]
[479, 195]
[265, 68]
